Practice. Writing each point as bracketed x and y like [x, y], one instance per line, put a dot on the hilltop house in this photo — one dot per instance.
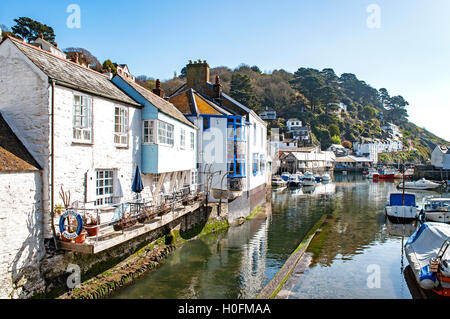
[167, 137]
[440, 157]
[232, 141]
[269, 114]
[298, 131]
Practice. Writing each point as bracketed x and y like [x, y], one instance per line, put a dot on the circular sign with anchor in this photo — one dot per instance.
[62, 225]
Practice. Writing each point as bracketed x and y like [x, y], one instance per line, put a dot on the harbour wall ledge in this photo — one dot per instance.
[431, 173]
[272, 288]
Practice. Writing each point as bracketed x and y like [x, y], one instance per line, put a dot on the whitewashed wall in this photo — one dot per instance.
[24, 102]
[21, 241]
[256, 144]
[73, 160]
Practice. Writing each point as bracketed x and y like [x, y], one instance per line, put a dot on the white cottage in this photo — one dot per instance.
[440, 157]
[21, 241]
[83, 131]
[232, 143]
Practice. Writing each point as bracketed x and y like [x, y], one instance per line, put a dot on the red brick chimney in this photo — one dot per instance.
[158, 91]
[217, 88]
[197, 74]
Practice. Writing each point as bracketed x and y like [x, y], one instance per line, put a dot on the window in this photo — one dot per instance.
[121, 126]
[149, 132]
[255, 163]
[206, 123]
[104, 187]
[165, 133]
[182, 138]
[236, 166]
[262, 164]
[236, 130]
[192, 141]
[82, 119]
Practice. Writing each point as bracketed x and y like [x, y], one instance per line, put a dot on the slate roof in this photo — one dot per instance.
[13, 154]
[160, 103]
[73, 75]
[193, 102]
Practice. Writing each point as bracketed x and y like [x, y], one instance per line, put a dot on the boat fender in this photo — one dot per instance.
[62, 225]
[428, 279]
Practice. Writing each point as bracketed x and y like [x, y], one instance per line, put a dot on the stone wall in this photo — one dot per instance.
[21, 243]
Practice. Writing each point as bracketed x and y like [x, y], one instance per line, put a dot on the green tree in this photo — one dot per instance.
[397, 112]
[336, 140]
[30, 30]
[334, 130]
[108, 65]
[368, 112]
[242, 91]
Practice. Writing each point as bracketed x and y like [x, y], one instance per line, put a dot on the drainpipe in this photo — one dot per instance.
[52, 165]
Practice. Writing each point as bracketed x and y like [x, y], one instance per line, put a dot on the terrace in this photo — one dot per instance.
[104, 228]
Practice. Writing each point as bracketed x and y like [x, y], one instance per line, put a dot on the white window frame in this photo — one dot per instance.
[104, 187]
[82, 119]
[121, 125]
[182, 139]
[149, 132]
[192, 141]
[165, 134]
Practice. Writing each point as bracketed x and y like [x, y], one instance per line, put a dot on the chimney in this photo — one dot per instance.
[109, 73]
[217, 88]
[75, 58]
[197, 74]
[158, 91]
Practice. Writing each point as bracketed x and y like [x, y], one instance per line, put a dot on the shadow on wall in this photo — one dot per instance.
[25, 268]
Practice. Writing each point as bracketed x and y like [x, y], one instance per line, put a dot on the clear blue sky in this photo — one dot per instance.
[409, 54]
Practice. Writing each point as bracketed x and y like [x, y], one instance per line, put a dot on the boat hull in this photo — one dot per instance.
[402, 213]
[439, 217]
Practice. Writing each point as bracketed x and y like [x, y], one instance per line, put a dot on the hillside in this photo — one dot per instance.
[312, 96]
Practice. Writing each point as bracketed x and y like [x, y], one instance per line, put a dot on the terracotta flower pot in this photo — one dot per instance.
[92, 232]
[67, 240]
[81, 238]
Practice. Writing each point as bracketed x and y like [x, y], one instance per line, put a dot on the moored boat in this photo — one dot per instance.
[285, 176]
[277, 181]
[421, 184]
[308, 180]
[401, 207]
[326, 177]
[428, 254]
[437, 210]
[294, 181]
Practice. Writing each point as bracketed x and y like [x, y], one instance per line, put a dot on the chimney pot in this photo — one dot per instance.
[158, 91]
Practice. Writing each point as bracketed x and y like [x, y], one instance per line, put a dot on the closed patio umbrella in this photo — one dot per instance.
[137, 186]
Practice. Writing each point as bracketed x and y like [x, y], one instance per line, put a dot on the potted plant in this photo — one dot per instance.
[91, 224]
[59, 209]
[82, 237]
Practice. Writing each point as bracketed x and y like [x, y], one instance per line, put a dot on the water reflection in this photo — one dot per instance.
[238, 262]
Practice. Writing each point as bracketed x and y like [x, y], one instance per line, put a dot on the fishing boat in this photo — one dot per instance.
[294, 181]
[308, 180]
[421, 184]
[370, 173]
[428, 254]
[385, 174]
[402, 207]
[326, 177]
[318, 178]
[277, 181]
[437, 210]
[285, 176]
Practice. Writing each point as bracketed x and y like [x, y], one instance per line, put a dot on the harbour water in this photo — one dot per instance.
[357, 254]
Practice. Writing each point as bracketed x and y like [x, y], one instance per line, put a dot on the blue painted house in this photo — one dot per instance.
[169, 142]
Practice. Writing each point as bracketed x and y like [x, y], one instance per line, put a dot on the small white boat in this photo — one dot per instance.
[402, 207]
[294, 181]
[429, 257]
[437, 210]
[308, 180]
[277, 181]
[421, 184]
[285, 176]
[326, 177]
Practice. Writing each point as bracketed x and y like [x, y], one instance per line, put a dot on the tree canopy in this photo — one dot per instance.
[30, 30]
